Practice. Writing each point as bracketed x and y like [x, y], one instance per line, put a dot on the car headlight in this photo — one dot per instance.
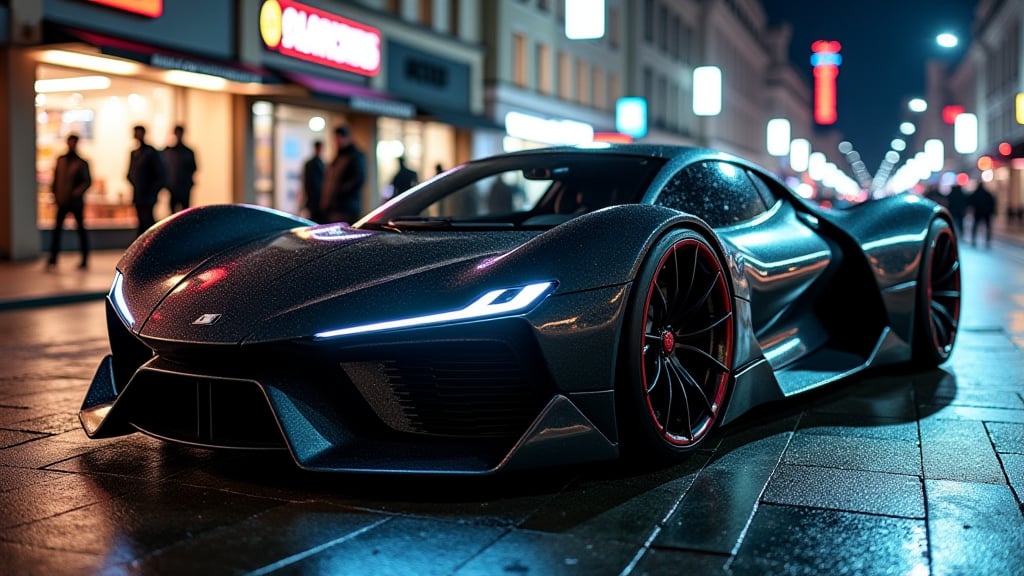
[494, 303]
[117, 297]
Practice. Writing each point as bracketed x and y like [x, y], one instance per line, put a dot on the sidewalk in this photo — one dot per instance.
[30, 283]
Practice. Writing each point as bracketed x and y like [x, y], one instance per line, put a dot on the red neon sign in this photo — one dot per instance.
[826, 61]
[313, 35]
[150, 8]
[949, 113]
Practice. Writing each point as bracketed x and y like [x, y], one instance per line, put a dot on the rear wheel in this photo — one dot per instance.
[678, 346]
[937, 316]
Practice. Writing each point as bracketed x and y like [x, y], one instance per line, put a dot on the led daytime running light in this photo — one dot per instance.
[479, 308]
[117, 297]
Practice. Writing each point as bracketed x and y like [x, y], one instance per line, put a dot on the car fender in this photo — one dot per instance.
[166, 253]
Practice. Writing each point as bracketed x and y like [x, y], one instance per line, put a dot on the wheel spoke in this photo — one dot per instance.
[685, 404]
[657, 375]
[704, 354]
[668, 404]
[941, 331]
[688, 378]
[946, 294]
[703, 300]
[711, 326]
[947, 275]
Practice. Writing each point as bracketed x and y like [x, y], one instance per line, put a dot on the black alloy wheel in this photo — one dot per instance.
[680, 344]
[939, 293]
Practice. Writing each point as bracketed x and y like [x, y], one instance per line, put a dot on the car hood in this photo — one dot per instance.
[309, 279]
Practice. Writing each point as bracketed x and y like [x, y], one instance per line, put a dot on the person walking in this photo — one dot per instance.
[313, 183]
[405, 178]
[71, 179]
[181, 169]
[146, 175]
[344, 180]
[983, 206]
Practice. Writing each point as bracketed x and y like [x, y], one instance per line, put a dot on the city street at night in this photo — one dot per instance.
[896, 472]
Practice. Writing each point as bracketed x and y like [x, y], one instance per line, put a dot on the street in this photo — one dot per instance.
[896, 472]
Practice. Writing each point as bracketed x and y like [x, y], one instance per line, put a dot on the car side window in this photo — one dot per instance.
[765, 189]
[718, 192]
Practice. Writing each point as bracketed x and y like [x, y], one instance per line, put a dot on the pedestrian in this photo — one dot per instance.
[344, 180]
[71, 179]
[313, 183]
[983, 206]
[181, 169]
[146, 175]
[957, 204]
[405, 178]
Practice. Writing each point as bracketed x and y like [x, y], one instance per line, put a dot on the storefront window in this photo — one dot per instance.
[101, 110]
[426, 147]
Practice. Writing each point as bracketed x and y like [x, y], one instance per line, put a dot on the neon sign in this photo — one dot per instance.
[826, 61]
[313, 35]
[150, 8]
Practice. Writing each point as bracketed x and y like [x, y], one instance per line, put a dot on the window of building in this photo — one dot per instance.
[564, 76]
[394, 7]
[614, 88]
[544, 76]
[600, 90]
[613, 27]
[663, 28]
[426, 14]
[662, 102]
[649, 21]
[673, 41]
[519, 60]
[582, 82]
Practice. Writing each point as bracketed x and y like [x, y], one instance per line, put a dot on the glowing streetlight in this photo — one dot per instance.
[947, 40]
[917, 105]
[707, 91]
[778, 135]
[965, 133]
[584, 19]
[799, 154]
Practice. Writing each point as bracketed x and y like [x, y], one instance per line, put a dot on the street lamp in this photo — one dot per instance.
[947, 40]
[917, 105]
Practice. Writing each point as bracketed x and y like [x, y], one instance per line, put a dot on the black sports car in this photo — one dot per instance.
[529, 309]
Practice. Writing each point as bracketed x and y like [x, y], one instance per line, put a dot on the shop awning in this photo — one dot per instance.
[359, 98]
[461, 119]
[161, 58]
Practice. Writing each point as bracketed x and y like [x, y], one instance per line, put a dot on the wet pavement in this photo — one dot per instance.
[897, 472]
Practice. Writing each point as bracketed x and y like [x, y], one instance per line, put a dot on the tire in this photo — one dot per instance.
[937, 311]
[677, 349]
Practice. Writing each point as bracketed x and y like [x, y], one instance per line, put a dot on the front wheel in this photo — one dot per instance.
[937, 315]
[677, 347]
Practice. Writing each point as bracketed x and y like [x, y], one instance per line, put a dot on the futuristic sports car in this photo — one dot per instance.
[529, 309]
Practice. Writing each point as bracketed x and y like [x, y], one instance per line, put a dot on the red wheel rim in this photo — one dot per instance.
[687, 343]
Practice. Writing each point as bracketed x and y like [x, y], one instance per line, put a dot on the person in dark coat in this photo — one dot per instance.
[957, 204]
[71, 179]
[983, 206]
[405, 178]
[344, 180]
[313, 183]
[181, 169]
[146, 174]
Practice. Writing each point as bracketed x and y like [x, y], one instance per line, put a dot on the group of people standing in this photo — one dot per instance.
[331, 192]
[981, 203]
[149, 172]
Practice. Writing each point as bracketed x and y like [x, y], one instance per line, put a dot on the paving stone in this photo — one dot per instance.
[26, 560]
[43, 452]
[403, 546]
[657, 561]
[525, 552]
[951, 412]
[136, 523]
[53, 497]
[858, 426]
[626, 507]
[10, 438]
[13, 478]
[958, 450]
[806, 541]
[289, 531]
[1006, 399]
[1006, 437]
[715, 510]
[137, 456]
[1013, 465]
[974, 528]
[873, 454]
[893, 401]
[849, 490]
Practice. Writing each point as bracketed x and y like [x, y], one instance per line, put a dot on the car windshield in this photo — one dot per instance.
[520, 191]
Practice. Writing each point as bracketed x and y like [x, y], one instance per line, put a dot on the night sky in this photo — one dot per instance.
[885, 44]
